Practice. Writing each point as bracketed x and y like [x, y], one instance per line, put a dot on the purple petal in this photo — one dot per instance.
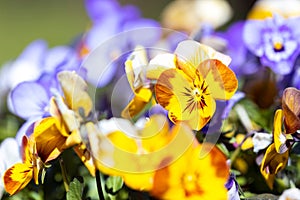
[252, 35]
[130, 12]
[62, 57]
[143, 32]
[34, 51]
[26, 129]
[29, 99]
[293, 24]
[99, 9]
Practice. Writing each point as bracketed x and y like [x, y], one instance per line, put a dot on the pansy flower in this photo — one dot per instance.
[193, 177]
[152, 157]
[189, 81]
[135, 68]
[33, 163]
[286, 125]
[116, 29]
[275, 41]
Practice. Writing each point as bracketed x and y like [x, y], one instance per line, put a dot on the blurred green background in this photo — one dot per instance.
[60, 21]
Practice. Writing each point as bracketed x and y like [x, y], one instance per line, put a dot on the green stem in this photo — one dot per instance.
[64, 174]
[99, 186]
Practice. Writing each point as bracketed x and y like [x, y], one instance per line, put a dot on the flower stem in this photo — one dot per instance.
[64, 174]
[99, 185]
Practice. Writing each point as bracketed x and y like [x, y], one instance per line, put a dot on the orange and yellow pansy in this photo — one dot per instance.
[33, 163]
[189, 81]
[153, 158]
[193, 177]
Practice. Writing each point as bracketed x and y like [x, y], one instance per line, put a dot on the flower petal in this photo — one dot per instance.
[291, 109]
[221, 80]
[159, 64]
[279, 135]
[195, 53]
[179, 101]
[272, 163]
[75, 92]
[17, 177]
[29, 99]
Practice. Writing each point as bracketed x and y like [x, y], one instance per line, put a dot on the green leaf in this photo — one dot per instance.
[75, 190]
[114, 184]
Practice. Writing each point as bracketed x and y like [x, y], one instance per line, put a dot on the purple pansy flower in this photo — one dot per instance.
[275, 41]
[232, 187]
[116, 30]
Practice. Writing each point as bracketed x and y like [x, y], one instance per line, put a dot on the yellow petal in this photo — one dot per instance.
[75, 91]
[272, 163]
[279, 135]
[49, 138]
[178, 95]
[17, 177]
[195, 53]
[138, 103]
[135, 67]
[159, 64]
[220, 78]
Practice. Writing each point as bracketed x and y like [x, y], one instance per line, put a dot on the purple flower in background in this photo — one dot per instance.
[231, 43]
[275, 41]
[116, 30]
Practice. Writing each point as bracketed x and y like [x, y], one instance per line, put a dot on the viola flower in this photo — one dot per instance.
[20, 174]
[116, 144]
[116, 29]
[192, 177]
[286, 124]
[189, 81]
[135, 68]
[265, 8]
[275, 41]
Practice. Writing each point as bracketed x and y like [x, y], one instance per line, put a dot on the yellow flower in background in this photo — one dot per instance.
[266, 8]
[190, 80]
[135, 152]
[135, 67]
[192, 177]
[166, 163]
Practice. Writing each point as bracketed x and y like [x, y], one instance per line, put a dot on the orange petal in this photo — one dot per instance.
[17, 177]
[221, 79]
[291, 109]
[175, 93]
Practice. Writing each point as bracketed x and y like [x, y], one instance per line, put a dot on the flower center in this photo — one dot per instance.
[190, 184]
[278, 46]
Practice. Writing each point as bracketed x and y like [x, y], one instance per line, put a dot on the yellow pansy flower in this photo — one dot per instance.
[191, 177]
[135, 67]
[189, 81]
[135, 152]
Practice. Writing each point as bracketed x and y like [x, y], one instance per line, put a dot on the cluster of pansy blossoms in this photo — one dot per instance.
[195, 105]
